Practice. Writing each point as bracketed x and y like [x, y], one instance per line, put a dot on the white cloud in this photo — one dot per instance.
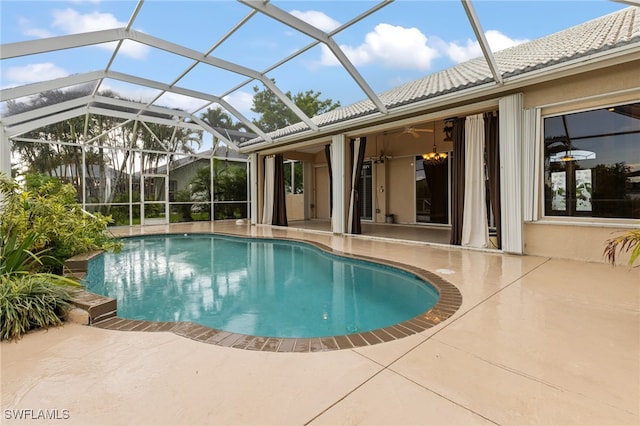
[175, 100]
[391, 46]
[145, 95]
[34, 73]
[70, 21]
[471, 49]
[242, 101]
[26, 29]
[317, 19]
[37, 32]
[133, 93]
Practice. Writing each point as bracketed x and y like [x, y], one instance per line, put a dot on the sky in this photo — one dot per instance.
[401, 42]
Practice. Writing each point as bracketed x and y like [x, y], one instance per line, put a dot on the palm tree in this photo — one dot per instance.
[219, 118]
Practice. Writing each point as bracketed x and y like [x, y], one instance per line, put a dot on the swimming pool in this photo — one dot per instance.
[256, 287]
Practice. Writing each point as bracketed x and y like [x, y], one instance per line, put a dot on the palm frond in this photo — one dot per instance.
[626, 243]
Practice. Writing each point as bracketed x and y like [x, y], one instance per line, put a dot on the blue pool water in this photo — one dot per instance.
[258, 287]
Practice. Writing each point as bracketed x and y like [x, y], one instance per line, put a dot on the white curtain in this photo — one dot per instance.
[340, 178]
[253, 178]
[511, 202]
[531, 158]
[354, 181]
[475, 229]
[269, 184]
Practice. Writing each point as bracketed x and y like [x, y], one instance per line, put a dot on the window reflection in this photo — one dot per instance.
[592, 163]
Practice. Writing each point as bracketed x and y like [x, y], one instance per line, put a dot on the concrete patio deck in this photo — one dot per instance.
[536, 341]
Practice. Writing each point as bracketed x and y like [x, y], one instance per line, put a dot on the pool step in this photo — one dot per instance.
[99, 308]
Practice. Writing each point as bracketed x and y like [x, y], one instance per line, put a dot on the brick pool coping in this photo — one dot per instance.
[448, 303]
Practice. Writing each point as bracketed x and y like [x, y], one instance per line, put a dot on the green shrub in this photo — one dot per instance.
[49, 209]
[39, 229]
[29, 301]
[28, 298]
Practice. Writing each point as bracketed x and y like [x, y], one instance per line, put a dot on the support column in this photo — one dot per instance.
[254, 190]
[511, 112]
[340, 184]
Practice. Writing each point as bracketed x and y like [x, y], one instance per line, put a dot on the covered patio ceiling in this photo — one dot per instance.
[186, 61]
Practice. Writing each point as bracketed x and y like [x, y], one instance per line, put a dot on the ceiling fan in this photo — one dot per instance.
[415, 131]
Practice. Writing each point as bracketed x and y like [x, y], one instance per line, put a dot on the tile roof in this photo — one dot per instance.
[614, 30]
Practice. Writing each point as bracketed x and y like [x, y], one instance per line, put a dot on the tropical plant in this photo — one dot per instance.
[15, 257]
[629, 242]
[29, 299]
[48, 210]
[200, 185]
[184, 196]
[219, 118]
[230, 182]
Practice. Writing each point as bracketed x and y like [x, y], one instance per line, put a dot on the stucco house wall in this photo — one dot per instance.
[549, 80]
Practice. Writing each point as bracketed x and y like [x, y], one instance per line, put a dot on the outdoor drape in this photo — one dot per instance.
[357, 147]
[279, 196]
[327, 153]
[436, 175]
[493, 168]
[457, 196]
[274, 209]
[267, 201]
[475, 229]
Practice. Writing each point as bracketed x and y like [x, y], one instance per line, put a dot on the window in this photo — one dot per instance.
[293, 177]
[592, 163]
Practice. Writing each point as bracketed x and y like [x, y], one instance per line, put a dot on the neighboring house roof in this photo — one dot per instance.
[611, 31]
[235, 136]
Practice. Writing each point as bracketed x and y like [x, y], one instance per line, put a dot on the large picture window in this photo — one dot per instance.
[592, 163]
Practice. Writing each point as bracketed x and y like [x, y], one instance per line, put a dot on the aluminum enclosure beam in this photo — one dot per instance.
[32, 89]
[73, 113]
[51, 44]
[35, 114]
[297, 53]
[44, 86]
[482, 40]
[313, 32]
[31, 47]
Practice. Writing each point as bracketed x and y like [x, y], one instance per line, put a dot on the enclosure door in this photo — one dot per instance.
[154, 196]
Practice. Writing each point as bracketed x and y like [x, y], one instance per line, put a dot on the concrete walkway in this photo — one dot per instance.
[536, 341]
